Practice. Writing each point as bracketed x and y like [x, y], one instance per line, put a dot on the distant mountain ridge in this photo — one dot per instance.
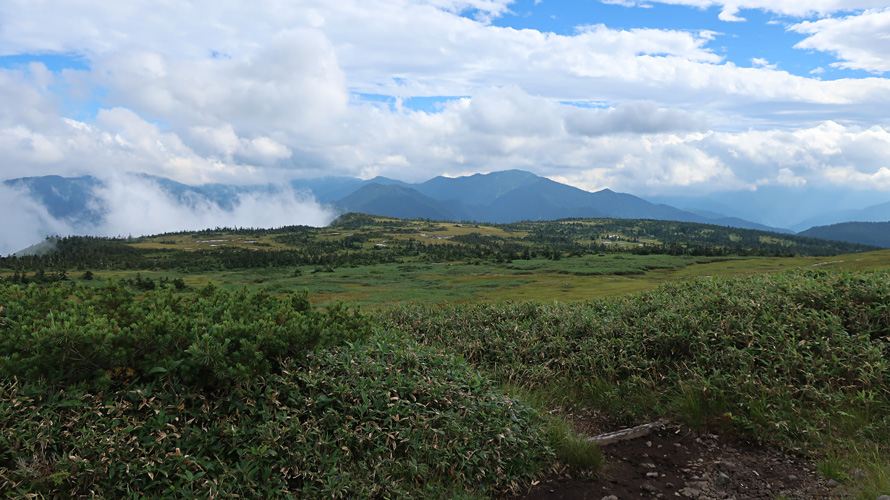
[794, 207]
[866, 233]
[511, 196]
[68, 198]
[497, 197]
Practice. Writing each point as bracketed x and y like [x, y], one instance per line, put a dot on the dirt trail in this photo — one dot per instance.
[675, 462]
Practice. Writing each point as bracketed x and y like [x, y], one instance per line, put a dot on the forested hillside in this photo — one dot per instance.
[356, 239]
[863, 233]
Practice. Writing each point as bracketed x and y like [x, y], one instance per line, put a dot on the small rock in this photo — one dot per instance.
[792, 477]
[648, 444]
[883, 497]
[690, 492]
[651, 474]
[727, 466]
[832, 484]
[669, 486]
[722, 480]
[610, 497]
[647, 486]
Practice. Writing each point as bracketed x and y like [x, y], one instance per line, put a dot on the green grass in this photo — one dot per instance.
[573, 450]
[565, 280]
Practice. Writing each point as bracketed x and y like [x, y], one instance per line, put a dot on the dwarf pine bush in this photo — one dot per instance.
[251, 395]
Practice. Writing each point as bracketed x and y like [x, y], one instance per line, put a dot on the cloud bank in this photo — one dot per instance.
[136, 206]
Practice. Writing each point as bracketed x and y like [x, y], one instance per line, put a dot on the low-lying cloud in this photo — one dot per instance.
[135, 206]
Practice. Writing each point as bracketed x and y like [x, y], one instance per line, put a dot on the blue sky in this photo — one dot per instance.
[762, 35]
[650, 97]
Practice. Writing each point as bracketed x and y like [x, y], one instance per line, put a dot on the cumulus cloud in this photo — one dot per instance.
[638, 117]
[812, 155]
[860, 41]
[281, 53]
[295, 84]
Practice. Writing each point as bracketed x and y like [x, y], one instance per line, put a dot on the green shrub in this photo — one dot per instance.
[104, 337]
[225, 394]
[798, 357]
[377, 419]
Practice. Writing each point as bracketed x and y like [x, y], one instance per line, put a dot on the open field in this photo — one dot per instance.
[568, 279]
[400, 346]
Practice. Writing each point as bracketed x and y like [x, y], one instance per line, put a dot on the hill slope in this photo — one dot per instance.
[865, 233]
[395, 201]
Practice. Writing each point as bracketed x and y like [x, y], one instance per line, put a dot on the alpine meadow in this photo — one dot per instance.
[445, 249]
[388, 358]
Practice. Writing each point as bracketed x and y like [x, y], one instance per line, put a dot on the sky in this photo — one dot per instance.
[649, 97]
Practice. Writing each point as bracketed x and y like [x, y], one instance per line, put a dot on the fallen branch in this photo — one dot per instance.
[625, 434]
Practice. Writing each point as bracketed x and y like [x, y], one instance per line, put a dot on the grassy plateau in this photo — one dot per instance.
[380, 358]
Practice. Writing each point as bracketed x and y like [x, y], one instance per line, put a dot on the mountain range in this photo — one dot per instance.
[510, 196]
[498, 197]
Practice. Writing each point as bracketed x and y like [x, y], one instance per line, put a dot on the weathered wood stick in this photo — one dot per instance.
[625, 434]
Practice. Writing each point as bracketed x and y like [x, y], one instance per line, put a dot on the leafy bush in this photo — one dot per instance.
[105, 336]
[379, 419]
[794, 356]
[241, 394]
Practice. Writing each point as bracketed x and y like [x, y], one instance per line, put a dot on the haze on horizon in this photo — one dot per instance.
[649, 97]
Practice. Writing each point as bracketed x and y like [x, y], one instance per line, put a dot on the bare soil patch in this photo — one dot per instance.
[676, 462]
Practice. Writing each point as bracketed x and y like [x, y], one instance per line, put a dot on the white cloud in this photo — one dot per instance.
[137, 206]
[225, 145]
[762, 63]
[289, 66]
[813, 155]
[860, 41]
[294, 84]
[730, 13]
[26, 98]
[24, 222]
[638, 117]
[730, 8]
